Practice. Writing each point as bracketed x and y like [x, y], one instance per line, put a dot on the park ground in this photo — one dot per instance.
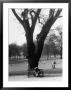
[18, 71]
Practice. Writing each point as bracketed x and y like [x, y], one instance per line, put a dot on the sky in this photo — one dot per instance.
[17, 33]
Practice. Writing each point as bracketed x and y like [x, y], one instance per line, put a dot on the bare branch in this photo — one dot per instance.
[60, 16]
[46, 27]
[24, 22]
[51, 15]
[19, 19]
[58, 12]
[37, 13]
[31, 14]
[32, 11]
[35, 19]
[24, 14]
[41, 20]
[25, 17]
[51, 12]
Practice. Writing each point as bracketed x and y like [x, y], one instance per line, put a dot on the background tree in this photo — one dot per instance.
[54, 42]
[60, 40]
[35, 16]
[24, 49]
[14, 50]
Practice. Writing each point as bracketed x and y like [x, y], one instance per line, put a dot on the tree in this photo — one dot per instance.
[24, 49]
[55, 41]
[13, 50]
[33, 54]
[60, 40]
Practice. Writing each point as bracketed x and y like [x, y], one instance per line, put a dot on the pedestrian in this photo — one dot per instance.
[53, 65]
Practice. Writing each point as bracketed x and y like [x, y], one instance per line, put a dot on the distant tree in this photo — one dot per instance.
[59, 41]
[24, 49]
[14, 50]
[54, 43]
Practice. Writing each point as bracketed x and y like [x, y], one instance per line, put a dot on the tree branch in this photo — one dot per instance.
[24, 22]
[32, 17]
[41, 20]
[45, 29]
[19, 19]
[25, 18]
[35, 19]
[58, 12]
[51, 13]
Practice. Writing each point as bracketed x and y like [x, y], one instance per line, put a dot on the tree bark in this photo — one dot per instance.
[30, 49]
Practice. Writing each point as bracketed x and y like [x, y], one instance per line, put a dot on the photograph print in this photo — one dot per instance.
[35, 42]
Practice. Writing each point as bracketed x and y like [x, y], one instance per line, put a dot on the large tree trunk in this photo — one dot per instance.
[33, 53]
[40, 45]
[30, 49]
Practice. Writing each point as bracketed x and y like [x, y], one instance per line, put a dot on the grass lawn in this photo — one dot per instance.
[20, 69]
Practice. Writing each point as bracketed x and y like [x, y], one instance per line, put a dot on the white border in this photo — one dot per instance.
[64, 81]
